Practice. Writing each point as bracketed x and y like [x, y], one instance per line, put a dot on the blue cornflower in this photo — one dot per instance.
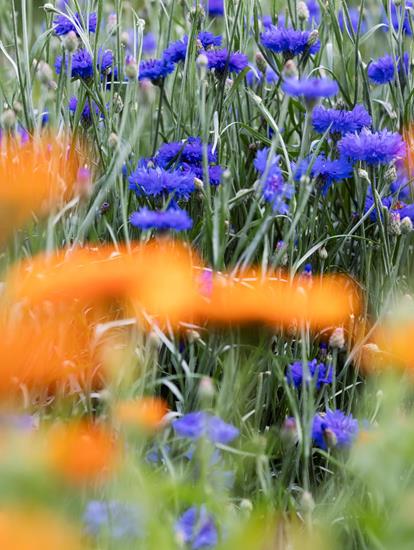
[197, 528]
[381, 71]
[397, 16]
[310, 88]
[62, 24]
[155, 69]
[208, 40]
[385, 202]
[373, 147]
[314, 11]
[288, 41]
[119, 519]
[254, 76]
[86, 111]
[105, 60]
[334, 429]
[200, 424]
[274, 189]
[155, 181]
[222, 61]
[82, 64]
[149, 43]
[173, 219]
[188, 152]
[327, 171]
[215, 8]
[215, 172]
[319, 372]
[340, 121]
[354, 17]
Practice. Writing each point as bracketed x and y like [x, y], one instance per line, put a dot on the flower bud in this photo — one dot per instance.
[261, 63]
[290, 70]
[148, 90]
[198, 184]
[394, 226]
[112, 22]
[289, 431]
[131, 69]
[337, 339]
[246, 505]
[323, 253]
[71, 42]
[390, 175]
[206, 389]
[202, 61]
[8, 119]
[363, 174]
[117, 103]
[113, 140]
[406, 225]
[313, 37]
[303, 12]
[45, 74]
[306, 502]
[125, 40]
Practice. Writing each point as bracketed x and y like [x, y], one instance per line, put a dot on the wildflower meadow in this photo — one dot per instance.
[207, 275]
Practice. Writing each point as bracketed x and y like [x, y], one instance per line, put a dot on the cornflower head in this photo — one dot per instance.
[157, 181]
[149, 43]
[196, 528]
[374, 148]
[223, 61]
[381, 71]
[200, 424]
[397, 16]
[82, 65]
[325, 170]
[314, 11]
[173, 219]
[274, 189]
[354, 16]
[119, 519]
[334, 429]
[86, 111]
[63, 25]
[105, 60]
[340, 121]
[155, 70]
[255, 77]
[177, 51]
[310, 88]
[290, 42]
[318, 372]
[189, 152]
[215, 8]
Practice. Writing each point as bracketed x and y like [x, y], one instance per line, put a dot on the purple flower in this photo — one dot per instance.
[373, 147]
[197, 528]
[188, 152]
[319, 372]
[105, 60]
[173, 219]
[82, 64]
[381, 71]
[62, 24]
[354, 15]
[86, 111]
[176, 51]
[222, 61]
[327, 171]
[310, 88]
[208, 40]
[156, 181]
[340, 121]
[334, 428]
[254, 76]
[119, 519]
[314, 11]
[288, 41]
[155, 69]
[149, 43]
[200, 424]
[215, 8]
[274, 189]
[397, 16]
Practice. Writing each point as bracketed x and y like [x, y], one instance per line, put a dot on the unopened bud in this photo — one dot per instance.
[306, 502]
[363, 174]
[131, 69]
[337, 339]
[206, 389]
[113, 140]
[125, 40]
[394, 224]
[313, 37]
[83, 183]
[198, 184]
[290, 70]
[8, 119]
[406, 225]
[148, 90]
[45, 73]
[323, 253]
[202, 61]
[112, 22]
[246, 505]
[261, 63]
[289, 432]
[193, 336]
[390, 175]
[71, 42]
[118, 103]
[303, 12]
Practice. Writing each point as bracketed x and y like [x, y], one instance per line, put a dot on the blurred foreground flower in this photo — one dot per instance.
[34, 176]
[82, 452]
[22, 529]
[146, 413]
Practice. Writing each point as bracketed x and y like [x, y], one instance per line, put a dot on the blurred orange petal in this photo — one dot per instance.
[146, 413]
[82, 452]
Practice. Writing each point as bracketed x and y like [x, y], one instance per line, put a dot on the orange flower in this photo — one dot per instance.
[146, 413]
[33, 176]
[82, 452]
[22, 529]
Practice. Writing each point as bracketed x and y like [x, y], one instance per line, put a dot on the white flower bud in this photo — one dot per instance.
[337, 339]
[8, 119]
[406, 225]
[303, 12]
[323, 253]
[71, 42]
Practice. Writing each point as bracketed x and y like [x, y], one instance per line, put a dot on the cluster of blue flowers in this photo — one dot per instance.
[316, 371]
[275, 190]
